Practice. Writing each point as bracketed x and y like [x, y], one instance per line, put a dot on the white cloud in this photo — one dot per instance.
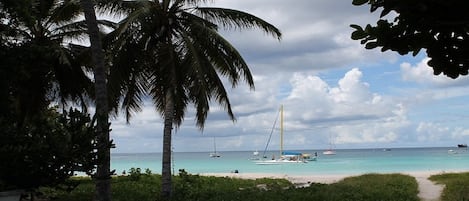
[432, 132]
[423, 74]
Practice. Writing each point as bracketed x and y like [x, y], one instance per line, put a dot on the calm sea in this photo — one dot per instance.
[346, 161]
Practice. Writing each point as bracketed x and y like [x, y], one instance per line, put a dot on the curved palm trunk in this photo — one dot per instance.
[103, 173]
[166, 162]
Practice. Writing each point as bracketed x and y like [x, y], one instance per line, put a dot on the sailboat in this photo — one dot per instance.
[285, 157]
[214, 154]
[330, 151]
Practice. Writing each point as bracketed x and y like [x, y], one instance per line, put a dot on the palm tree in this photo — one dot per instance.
[177, 57]
[103, 173]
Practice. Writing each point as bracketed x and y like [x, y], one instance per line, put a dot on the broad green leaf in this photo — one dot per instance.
[357, 27]
[371, 45]
[359, 2]
[358, 34]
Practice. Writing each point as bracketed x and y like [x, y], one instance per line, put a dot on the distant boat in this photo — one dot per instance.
[214, 154]
[452, 151]
[255, 156]
[310, 157]
[255, 153]
[330, 151]
[462, 145]
[286, 157]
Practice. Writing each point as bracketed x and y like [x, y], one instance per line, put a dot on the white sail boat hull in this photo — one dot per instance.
[214, 154]
[329, 152]
[278, 162]
[285, 157]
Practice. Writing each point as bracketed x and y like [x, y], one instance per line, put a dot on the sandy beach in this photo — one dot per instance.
[428, 191]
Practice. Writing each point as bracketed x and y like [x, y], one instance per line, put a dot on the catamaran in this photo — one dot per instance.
[285, 157]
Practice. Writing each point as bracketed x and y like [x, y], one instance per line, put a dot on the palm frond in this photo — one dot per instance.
[230, 18]
[122, 8]
[127, 79]
[128, 27]
[224, 57]
[194, 2]
[203, 81]
[65, 12]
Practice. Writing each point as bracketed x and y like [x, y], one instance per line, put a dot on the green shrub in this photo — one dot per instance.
[456, 186]
[46, 149]
[187, 187]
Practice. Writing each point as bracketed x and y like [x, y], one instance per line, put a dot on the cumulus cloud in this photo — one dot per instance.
[423, 74]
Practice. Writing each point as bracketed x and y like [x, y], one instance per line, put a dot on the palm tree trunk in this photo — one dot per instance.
[166, 162]
[103, 173]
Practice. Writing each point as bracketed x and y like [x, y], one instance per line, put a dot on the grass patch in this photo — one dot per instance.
[372, 187]
[456, 186]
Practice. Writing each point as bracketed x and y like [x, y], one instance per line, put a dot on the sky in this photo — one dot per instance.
[334, 91]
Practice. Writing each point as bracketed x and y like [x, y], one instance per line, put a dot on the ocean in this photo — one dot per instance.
[346, 161]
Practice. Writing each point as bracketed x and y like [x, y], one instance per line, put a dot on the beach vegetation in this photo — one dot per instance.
[438, 27]
[456, 186]
[45, 150]
[40, 65]
[369, 187]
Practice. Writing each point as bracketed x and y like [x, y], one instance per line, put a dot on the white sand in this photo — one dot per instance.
[428, 191]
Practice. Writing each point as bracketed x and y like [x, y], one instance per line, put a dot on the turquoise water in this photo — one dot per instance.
[346, 161]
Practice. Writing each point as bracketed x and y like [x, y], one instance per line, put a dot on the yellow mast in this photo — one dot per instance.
[281, 130]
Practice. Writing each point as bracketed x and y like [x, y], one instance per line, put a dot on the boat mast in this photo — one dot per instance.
[214, 145]
[271, 132]
[281, 130]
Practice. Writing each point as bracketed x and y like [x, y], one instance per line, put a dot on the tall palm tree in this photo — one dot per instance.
[177, 56]
[103, 173]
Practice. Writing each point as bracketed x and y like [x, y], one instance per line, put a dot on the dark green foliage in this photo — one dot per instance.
[376, 186]
[38, 66]
[439, 27]
[456, 186]
[46, 150]
[136, 173]
[187, 187]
